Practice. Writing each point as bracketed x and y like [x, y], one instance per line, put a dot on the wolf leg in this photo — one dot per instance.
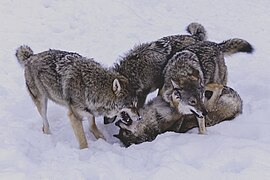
[93, 127]
[42, 108]
[76, 123]
[41, 104]
[201, 123]
[212, 93]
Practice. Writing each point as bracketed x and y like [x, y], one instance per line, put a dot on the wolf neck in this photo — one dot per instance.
[164, 115]
[101, 100]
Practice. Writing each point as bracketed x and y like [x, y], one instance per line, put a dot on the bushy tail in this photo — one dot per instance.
[196, 29]
[235, 45]
[23, 53]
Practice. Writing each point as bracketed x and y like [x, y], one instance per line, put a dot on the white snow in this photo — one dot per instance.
[105, 30]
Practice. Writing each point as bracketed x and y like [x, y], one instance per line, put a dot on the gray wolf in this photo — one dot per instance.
[81, 84]
[221, 102]
[144, 64]
[157, 117]
[194, 67]
[183, 75]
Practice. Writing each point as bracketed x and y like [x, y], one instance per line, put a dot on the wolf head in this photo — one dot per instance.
[184, 84]
[188, 98]
[136, 132]
[125, 101]
[157, 117]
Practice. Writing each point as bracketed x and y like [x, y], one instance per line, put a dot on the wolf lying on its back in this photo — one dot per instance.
[157, 117]
[80, 84]
[222, 103]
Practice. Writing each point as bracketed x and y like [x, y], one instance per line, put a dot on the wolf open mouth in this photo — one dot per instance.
[125, 118]
[196, 114]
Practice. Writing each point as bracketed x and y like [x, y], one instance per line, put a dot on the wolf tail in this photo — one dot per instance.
[235, 45]
[196, 29]
[23, 53]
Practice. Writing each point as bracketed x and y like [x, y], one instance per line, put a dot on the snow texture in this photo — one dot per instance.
[105, 30]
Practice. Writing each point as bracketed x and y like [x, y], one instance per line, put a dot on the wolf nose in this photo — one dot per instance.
[140, 118]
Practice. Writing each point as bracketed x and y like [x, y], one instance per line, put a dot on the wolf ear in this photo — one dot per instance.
[175, 86]
[195, 75]
[116, 87]
[175, 99]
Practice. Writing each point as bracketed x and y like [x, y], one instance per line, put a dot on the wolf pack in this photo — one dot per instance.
[188, 71]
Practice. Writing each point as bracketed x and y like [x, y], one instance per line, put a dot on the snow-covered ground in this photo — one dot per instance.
[104, 29]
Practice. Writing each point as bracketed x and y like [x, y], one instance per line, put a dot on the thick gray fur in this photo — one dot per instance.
[184, 70]
[144, 64]
[222, 103]
[158, 117]
[183, 75]
[211, 56]
[81, 84]
[196, 66]
[197, 30]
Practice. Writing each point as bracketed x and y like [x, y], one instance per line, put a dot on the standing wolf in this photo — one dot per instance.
[183, 75]
[80, 84]
[222, 103]
[144, 64]
[189, 70]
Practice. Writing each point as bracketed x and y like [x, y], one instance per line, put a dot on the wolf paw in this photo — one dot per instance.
[46, 130]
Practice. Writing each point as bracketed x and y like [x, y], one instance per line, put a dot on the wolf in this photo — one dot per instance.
[144, 64]
[81, 84]
[196, 66]
[183, 75]
[157, 117]
[222, 103]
